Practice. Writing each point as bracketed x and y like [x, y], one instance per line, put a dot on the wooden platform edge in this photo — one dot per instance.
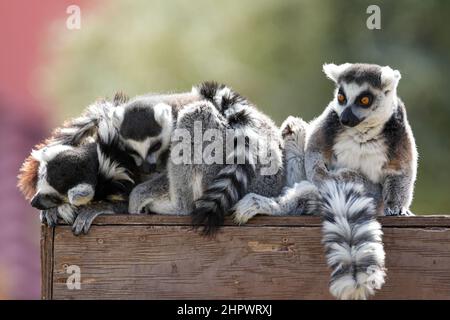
[47, 237]
[262, 221]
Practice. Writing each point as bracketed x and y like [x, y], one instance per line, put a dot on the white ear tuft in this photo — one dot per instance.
[47, 153]
[390, 77]
[333, 71]
[117, 116]
[37, 154]
[163, 114]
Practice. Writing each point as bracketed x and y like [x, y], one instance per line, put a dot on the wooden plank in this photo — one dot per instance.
[139, 261]
[261, 221]
[47, 234]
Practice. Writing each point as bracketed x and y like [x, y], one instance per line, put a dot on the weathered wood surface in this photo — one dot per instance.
[161, 257]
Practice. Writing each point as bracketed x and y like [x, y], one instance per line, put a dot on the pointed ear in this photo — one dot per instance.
[333, 71]
[163, 114]
[389, 78]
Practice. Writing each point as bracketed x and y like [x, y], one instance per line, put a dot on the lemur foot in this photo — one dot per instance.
[246, 208]
[398, 212]
[49, 217]
[142, 208]
[84, 221]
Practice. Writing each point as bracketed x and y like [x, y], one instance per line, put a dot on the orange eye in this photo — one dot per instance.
[341, 98]
[364, 101]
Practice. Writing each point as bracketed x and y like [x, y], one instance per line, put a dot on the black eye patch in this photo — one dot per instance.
[139, 122]
[341, 97]
[155, 147]
[365, 99]
[73, 167]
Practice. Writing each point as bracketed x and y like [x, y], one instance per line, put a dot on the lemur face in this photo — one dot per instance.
[66, 175]
[365, 94]
[145, 129]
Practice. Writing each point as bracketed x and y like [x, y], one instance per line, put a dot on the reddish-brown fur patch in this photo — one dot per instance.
[28, 175]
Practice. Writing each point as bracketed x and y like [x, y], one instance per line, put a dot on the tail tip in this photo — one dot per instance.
[360, 287]
[208, 221]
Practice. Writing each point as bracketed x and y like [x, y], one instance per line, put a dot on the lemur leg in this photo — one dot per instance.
[87, 214]
[316, 168]
[164, 195]
[153, 196]
[302, 198]
[397, 195]
[293, 131]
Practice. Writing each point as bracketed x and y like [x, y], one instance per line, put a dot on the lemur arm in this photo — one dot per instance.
[316, 163]
[87, 214]
[300, 199]
[401, 170]
[397, 194]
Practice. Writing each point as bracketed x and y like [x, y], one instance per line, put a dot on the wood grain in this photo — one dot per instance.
[160, 257]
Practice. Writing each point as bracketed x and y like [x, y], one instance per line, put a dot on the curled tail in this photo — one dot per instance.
[352, 239]
[232, 181]
[230, 185]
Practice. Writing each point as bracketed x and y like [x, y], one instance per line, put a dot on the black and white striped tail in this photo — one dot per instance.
[353, 241]
[76, 130]
[230, 185]
[232, 182]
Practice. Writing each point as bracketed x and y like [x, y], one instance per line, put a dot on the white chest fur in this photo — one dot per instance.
[357, 152]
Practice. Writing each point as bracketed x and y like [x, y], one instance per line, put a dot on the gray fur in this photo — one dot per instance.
[83, 172]
[205, 188]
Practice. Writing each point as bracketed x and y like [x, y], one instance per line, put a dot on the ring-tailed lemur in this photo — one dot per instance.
[78, 174]
[206, 190]
[362, 156]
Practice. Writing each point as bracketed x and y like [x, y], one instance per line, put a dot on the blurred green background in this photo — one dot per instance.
[270, 51]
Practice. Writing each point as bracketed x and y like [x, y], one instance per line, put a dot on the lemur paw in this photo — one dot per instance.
[397, 211]
[49, 217]
[246, 209]
[293, 128]
[84, 221]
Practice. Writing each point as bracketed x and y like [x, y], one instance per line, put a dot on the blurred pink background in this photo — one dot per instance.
[24, 119]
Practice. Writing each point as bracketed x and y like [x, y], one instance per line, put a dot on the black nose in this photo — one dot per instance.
[37, 203]
[148, 167]
[43, 202]
[349, 119]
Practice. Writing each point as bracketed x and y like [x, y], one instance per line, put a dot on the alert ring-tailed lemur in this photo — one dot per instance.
[361, 155]
[149, 127]
[78, 174]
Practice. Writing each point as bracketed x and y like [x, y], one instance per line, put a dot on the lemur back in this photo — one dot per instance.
[215, 187]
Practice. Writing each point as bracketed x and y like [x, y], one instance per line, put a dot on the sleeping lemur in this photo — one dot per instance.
[361, 155]
[78, 174]
[149, 127]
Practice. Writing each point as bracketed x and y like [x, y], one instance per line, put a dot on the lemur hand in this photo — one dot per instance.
[49, 217]
[397, 211]
[247, 208]
[84, 220]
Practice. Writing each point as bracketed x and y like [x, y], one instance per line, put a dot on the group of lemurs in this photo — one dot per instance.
[355, 161]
